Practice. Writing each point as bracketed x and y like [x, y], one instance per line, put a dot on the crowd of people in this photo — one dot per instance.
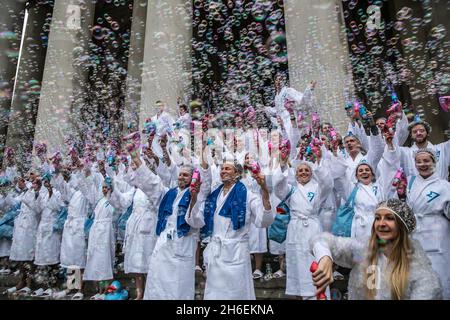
[159, 194]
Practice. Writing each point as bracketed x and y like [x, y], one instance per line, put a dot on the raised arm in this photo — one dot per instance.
[121, 201]
[376, 148]
[143, 178]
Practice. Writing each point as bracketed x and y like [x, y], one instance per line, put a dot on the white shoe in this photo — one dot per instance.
[16, 273]
[48, 293]
[59, 295]
[78, 296]
[39, 292]
[5, 272]
[24, 291]
[11, 290]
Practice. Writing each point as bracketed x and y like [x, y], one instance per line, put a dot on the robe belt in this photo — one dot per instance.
[216, 244]
[303, 218]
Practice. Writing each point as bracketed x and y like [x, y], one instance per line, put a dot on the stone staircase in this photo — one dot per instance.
[273, 289]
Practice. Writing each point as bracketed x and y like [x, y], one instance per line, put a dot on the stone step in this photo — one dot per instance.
[273, 289]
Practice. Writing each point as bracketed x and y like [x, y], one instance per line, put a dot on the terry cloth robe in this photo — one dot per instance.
[48, 241]
[25, 228]
[227, 255]
[430, 201]
[11, 208]
[73, 242]
[258, 236]
[171, 271]
[372, 157]
[101, 244]
[305, 204]
[423, 282]
[367, 196]
[442, 152]
[140, 237]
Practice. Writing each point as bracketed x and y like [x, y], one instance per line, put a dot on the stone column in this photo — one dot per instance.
[11, 25]
[25, 101]
[135, 63]
[70, 33]
[317, 50]
[167, 69]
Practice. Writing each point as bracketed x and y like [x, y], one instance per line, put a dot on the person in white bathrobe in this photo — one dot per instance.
[226, 216]
[419, 131]
[140, 238]
[171, 270]
[101, 242]
[258, 236]
[429, 197]
[48, 241]
[11, 208]
[24, 233]
[390, 266]
[305, 202]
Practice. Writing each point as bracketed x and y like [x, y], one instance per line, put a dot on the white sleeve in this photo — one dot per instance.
[280, 184]
[195, 217]
[261, 217]
[345, 252]
[121, 201]
[144, 179]
[31, 201]
[338, 167]
[387, 169]
[55, 202]
[401, 130]
[324, 178]
[376, 148]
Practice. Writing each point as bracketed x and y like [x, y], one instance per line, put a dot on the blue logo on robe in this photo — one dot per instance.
[432, 195]
[375, 190]
[438, 153]
[310, 196]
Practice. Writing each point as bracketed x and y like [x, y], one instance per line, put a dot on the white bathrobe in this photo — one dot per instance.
[305, 205]
[140, 237]
[227, 255]
[101, 244]
[48, 242]
[430, 201]
[258, 236]
[423, 283]
[6, 203]
[171, 271]
[25, 228]
[442, 151]
[73, 243]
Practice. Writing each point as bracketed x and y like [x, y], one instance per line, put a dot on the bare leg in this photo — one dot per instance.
[29, 273]
[81, 281]
[258, 260]
[197, 254]
[140, 282]
[22, 276]
[282, 262]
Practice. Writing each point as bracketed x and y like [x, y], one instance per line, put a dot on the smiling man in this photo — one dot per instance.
[226, 216]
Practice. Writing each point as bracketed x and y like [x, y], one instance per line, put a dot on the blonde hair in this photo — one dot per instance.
[399, 259]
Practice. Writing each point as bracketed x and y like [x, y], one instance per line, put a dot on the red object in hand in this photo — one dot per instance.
[313, 268]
